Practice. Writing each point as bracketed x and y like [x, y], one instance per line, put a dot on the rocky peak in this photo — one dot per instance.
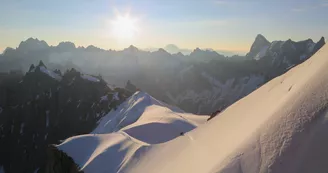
[41, 64]
[259, 43]
[37, 111]
[32, 68]
[319, 44]
[32, 44]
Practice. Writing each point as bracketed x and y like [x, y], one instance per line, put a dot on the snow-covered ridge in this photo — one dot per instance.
[129, 112]
[137, 124]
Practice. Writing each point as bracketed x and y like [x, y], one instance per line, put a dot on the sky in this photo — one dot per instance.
[229, 25]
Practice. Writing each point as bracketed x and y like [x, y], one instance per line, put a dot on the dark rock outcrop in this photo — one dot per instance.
[59, 162]
[43, 107]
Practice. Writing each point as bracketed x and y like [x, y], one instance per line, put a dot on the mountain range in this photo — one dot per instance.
[174, 49]
[200, 83]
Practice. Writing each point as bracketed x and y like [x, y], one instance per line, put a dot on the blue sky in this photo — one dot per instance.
[219, 24]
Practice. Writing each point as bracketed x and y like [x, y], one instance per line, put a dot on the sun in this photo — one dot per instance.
[124, 27]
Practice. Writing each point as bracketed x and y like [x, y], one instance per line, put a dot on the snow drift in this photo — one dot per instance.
[281, 127]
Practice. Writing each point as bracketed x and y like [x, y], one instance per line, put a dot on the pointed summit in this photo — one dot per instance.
[319, 44]
[259, 44]
[32, 68]
[260, 40]
[260, 37]
[41, 64]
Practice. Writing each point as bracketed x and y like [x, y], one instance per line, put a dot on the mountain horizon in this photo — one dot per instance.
[170, 48]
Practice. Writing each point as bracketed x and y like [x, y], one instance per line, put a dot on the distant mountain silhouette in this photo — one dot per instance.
[200, 82]
[173, 49]
[66, 46]
[32, 44]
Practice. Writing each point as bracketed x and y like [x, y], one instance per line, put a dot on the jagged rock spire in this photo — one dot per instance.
[259, 43]
[32, 67]
[41, 64]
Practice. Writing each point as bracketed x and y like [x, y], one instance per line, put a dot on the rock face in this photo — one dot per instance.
[43, 107]
[58, 161]
[259, 44]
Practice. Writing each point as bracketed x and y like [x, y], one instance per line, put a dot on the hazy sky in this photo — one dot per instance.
[218, 24]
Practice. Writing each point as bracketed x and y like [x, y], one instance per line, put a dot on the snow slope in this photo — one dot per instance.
[262, 53]
[135, 125]
[130, 111]
[281, 127]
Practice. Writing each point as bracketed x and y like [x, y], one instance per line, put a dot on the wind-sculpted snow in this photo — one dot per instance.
[137, 124]
[129, 112]
[100, 153]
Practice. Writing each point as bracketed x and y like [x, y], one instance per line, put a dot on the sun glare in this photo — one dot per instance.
[124, 27]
